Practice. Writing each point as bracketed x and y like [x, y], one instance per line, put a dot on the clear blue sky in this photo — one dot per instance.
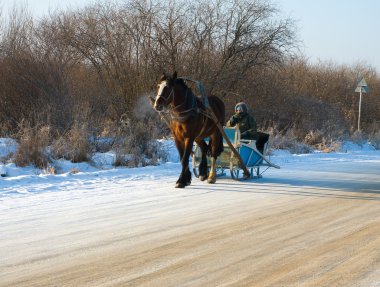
[341, 31]
[42, 7]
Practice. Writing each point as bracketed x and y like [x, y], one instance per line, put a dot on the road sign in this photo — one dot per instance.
[362, 87]
[362, 83]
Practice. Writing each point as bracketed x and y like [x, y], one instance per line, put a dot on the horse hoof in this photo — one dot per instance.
[211, 180]
[202, 178]
[179, 185]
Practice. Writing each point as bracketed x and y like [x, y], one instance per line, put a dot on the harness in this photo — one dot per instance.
[182, 116]
[194, 109]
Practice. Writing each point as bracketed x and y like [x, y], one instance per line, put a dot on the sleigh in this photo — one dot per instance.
[257, 162]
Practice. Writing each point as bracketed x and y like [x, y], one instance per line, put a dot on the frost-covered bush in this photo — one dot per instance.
[288, 141]
[74, 145]
[374, 139]
[136, 141]
[358, 138]
[33, 145]
[8, 147]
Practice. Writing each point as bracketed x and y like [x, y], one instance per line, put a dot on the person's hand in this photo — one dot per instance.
[233, 120]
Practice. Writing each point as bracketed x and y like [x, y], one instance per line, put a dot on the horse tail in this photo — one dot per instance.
[216, 140]
[215, 144]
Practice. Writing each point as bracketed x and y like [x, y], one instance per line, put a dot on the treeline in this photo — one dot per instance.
[86, 73]
[311, 97]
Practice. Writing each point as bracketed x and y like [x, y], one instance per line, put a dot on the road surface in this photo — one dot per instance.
[318, 226]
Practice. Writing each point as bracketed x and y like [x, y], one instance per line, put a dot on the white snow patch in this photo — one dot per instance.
[7, 146]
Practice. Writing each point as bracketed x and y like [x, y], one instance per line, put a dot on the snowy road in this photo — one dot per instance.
[315, 222]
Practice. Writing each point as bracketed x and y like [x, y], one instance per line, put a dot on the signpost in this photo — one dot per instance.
[362, 87]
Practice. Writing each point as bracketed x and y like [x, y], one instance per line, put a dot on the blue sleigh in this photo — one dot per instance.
[255, 161]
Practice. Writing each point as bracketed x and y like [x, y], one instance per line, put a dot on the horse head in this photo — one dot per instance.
[165, 93]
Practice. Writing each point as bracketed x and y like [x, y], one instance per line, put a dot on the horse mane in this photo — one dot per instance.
[199, 100]
[181, 82]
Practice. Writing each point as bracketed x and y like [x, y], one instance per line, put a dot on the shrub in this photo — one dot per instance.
[289, 141]
[358, 138]
[319, 140]
[375, 139]
[33, 143]
[73, 145]
[314, 138]
[7, 149]
[136, 143]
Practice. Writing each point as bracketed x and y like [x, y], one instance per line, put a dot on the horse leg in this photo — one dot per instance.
[203, 164]
[181, 149]
[185, 176]
[216, 150]
[212, 176]
[188, 149]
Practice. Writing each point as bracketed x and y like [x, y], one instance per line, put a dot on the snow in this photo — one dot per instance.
[100, 174]
[7, 147]
[70, 210]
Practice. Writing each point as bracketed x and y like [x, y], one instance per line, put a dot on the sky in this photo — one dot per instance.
[340, 31]
[40, 8]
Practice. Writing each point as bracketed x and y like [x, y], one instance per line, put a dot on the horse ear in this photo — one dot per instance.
[174, 75]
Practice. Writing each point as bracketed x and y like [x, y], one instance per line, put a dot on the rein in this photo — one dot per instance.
[182, 116]
[194, 108]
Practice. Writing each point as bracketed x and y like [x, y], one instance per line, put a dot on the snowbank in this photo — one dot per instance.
[349, 152]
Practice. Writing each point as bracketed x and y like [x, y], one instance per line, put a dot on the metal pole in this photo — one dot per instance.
[360, 107]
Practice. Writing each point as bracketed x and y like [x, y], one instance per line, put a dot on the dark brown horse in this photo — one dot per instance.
[189, 123]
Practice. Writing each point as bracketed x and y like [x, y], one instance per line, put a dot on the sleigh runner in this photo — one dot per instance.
[257, 162]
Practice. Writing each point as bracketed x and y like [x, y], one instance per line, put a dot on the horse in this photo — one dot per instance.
[191, 121]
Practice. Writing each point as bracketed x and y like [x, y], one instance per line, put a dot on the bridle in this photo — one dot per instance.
[182, 116]
[159, 94]
[173, 109]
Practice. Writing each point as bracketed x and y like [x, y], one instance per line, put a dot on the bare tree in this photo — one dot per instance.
[94, 64]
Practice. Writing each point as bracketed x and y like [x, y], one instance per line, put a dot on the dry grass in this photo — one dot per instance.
[289, 141]
[375, 139]
[10, 147]
[136, 143]
[33, 144]
[358, 138]
[73, 145]
[316, 139]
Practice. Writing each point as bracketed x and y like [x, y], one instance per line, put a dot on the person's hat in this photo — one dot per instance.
[241, 107]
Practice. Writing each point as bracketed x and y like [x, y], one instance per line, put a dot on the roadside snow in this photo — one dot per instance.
[7, 147]
[73, 176]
